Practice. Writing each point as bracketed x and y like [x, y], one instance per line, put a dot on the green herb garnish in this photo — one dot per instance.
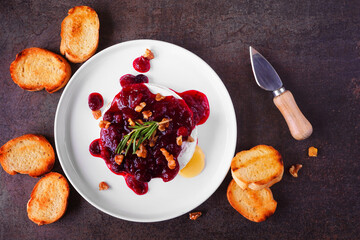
[138, 135]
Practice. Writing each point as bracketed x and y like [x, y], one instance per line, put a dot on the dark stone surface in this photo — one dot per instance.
[315, 47]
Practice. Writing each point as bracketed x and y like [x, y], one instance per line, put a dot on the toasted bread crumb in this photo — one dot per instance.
[255, 205]
[257, 168]
[118, 159]
[179, 140]
[79, 34]
[104, 124]
[169, 157]
[140, 107]
[294, 169]
[313, 152]
[103, 186]
[49, 198]
[141, 152]
[147, 114]
[148, 54]
[35, 69]
[29, 154]
[159, 97]
[96, 114]
[194, 215]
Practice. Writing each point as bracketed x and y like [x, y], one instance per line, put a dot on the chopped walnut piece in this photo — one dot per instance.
[294, 170]
[140, 107]
[190, 139]
[141, 152]
[169, 157]
[139, 121]
[148, 54]
[153, 139]
[312, 152]
[159, 97]
[164, 124]
[179, 140]
[194, 215]
[96, 114]
[104, 124]
[147, 114]
[131, 122]
[103, 186]
[118, 159]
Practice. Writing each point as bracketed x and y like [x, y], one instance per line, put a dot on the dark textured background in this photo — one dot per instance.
[313, 44]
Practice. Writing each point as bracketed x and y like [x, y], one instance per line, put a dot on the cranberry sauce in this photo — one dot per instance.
[154, 164]
[137, 186]
[95, 148]
[131, 79]
[199, 105]
[95, 101]
[141, 64]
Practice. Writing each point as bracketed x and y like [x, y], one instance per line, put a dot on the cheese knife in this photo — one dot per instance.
[268, 79]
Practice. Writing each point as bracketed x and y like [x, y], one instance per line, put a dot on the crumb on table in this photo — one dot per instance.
[294, 169]
[313, 152]
[194, 215]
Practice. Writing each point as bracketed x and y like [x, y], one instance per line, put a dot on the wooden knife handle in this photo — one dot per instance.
[300, 127]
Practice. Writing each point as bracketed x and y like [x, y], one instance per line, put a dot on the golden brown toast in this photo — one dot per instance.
[79, 34]
[255, 205]
[29, 154]
[48, 200]
[35, 69]
[257, 168]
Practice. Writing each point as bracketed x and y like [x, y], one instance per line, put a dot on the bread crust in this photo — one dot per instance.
[255, 205]
[8, 150]
[71, 31]
[38, 204]
[258, 151]
[24, 79]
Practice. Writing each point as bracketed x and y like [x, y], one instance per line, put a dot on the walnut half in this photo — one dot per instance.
[148, 54]
[103, 186]
[159, 97]
[294, 169]
[104, 124]
[147, 114]
[140, 107]
[141, 152]
[164, 124]
[119, 158]
[96, 114]
[131, 122]
[179, 140]
[169, 157]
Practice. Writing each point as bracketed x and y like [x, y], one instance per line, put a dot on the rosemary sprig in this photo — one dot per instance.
[138, 135]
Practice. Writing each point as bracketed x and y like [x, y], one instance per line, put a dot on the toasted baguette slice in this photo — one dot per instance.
[257, 168]
[80, 34]
[48, 200]
[28, 154]
[35, 69]
[255, 205]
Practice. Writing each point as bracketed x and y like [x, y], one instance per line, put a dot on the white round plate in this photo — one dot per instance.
[75, 128]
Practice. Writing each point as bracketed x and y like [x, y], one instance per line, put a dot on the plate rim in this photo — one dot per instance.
[71, 82]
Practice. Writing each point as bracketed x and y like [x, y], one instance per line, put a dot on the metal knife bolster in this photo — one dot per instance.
[279, 91]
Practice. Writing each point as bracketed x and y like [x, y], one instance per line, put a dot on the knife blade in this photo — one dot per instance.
[268, 79]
